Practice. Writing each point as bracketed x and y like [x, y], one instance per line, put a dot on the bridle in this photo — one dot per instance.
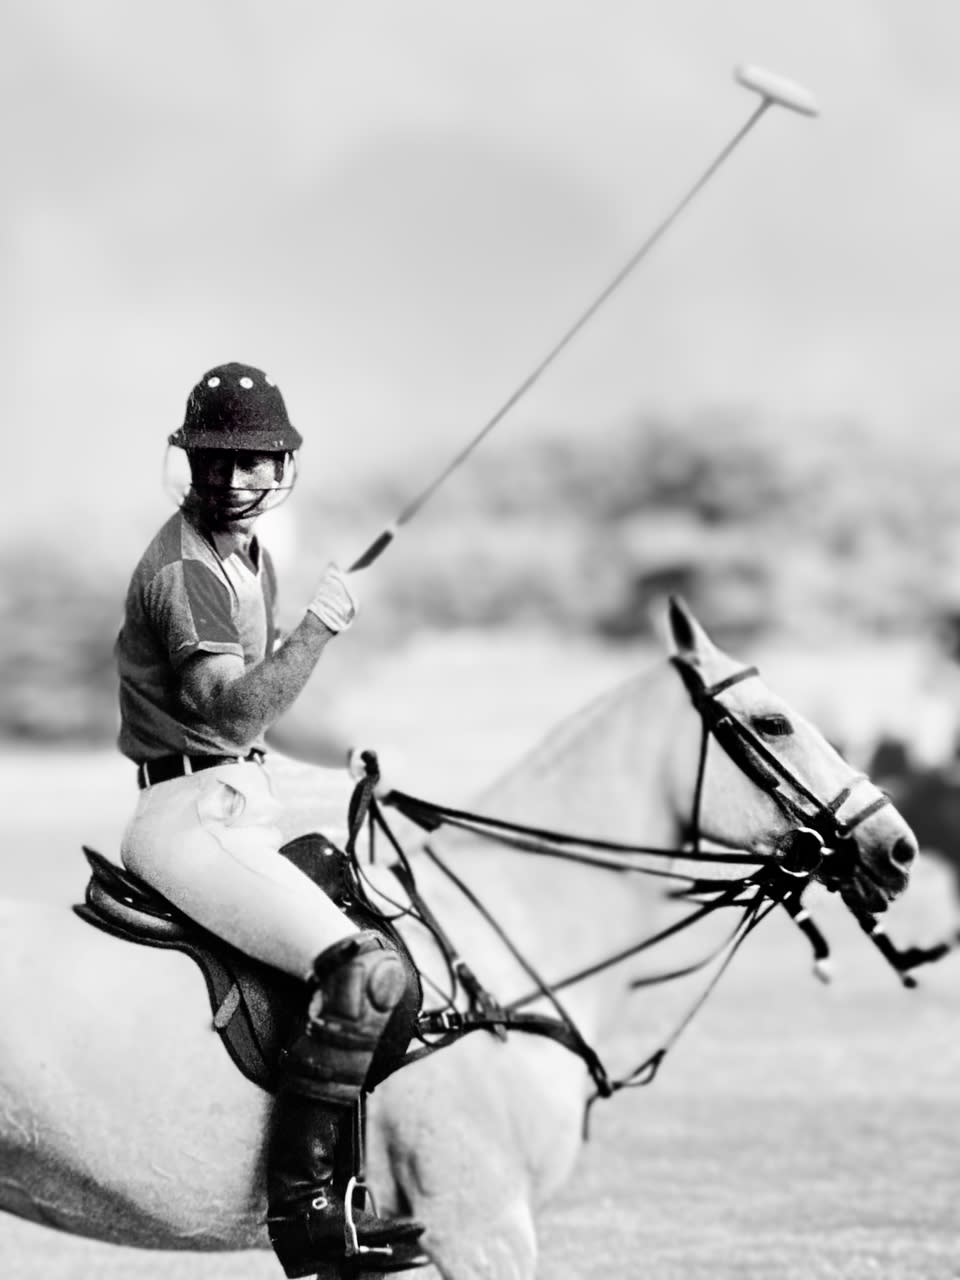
[820, 843]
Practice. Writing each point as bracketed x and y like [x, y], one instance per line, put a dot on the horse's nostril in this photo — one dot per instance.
[904, 852]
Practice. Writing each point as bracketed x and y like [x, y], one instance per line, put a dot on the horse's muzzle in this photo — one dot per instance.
[880, 875]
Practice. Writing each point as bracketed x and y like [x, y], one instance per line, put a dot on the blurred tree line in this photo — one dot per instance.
[763, 528]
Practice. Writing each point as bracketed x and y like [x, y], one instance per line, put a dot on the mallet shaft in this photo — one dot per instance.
[776, 91]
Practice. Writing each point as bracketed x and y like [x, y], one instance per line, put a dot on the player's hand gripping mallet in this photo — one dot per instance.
[774, 91]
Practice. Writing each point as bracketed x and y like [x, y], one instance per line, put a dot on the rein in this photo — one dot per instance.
[755, 895]
[820, 844]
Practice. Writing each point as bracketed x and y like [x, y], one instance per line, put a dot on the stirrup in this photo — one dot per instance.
[405, 1255]
[351, 1245]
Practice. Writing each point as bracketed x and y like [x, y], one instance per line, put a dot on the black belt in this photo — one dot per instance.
[150, 772]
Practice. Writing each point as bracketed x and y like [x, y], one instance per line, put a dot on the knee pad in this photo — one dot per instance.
[357, 985]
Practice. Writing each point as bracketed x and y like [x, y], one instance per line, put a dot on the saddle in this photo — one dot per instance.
[255, 1008]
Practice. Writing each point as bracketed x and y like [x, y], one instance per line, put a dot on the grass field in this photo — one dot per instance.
[797, 1132]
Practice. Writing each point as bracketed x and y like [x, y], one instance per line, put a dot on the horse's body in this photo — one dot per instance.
[122, 1118]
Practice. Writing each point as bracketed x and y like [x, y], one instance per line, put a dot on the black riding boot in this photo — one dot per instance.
[358, 983]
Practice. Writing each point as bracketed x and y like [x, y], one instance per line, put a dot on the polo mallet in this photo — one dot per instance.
[774, 91]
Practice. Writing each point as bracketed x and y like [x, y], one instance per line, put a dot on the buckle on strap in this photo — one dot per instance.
[441, 1020]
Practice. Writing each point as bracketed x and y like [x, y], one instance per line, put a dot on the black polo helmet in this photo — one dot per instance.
[236, 406]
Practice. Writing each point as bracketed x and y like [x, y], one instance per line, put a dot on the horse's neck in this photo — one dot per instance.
[601, 772]
[600, 775]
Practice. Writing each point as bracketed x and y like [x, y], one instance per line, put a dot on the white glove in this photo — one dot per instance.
[334, 602]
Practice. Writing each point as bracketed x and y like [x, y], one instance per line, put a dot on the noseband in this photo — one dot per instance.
[821, 840]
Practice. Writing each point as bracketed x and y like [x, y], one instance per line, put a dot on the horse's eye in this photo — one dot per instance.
[773, 726]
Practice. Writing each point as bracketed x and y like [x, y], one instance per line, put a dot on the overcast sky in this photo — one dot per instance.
[396, 208]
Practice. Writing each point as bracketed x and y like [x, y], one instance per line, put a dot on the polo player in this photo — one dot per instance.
[203, 675]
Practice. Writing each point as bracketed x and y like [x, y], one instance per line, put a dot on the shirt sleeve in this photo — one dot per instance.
[193, 611]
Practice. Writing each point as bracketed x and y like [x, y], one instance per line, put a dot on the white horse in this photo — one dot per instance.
[123, 1119]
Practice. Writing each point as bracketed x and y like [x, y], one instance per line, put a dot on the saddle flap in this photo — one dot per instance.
[253, 1006]
[327, 866]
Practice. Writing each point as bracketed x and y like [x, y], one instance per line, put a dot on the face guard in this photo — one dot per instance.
[214, 494]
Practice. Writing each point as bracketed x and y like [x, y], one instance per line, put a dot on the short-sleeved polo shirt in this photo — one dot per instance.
[185, 598]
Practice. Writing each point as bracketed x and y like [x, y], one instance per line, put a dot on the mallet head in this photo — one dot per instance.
[775, 89]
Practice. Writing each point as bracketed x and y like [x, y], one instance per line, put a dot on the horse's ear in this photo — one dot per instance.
[689, 639]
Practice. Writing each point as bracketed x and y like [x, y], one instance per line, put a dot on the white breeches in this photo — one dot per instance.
[210, 843]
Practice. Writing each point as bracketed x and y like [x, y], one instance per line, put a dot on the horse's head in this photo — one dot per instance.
[748, 771]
